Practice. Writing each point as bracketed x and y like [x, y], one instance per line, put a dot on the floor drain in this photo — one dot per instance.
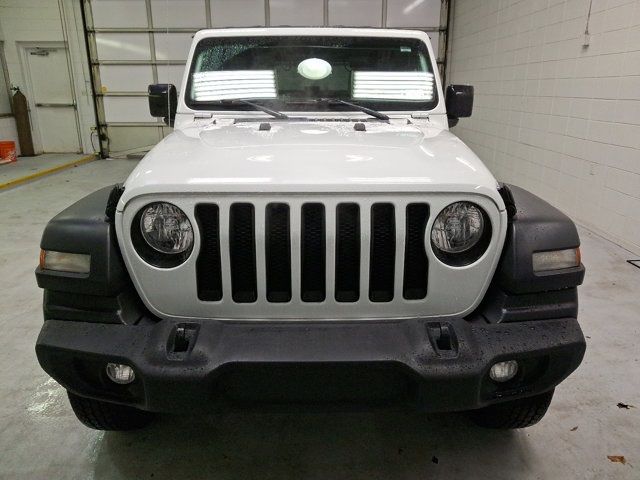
[635, 263]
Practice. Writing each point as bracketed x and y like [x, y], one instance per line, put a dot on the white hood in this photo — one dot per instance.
[310, 156]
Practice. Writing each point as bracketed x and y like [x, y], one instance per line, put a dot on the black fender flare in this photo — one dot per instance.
[535, 226]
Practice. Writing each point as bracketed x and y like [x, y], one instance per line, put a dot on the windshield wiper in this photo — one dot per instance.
[257, 106]
[368, 111]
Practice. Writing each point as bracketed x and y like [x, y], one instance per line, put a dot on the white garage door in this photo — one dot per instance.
[133, 43]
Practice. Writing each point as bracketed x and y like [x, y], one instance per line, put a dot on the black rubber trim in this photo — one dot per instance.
[321, 355]
[125, 307]
[84, 228]
[507, 198]
[536, 227]
[112, 202]
[500, 306]
[106, 294]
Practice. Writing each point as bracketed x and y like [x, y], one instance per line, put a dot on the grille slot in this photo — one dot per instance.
[208, 267]
[313, 253]
[348, 252]
[242, 252]
[383, 252]
[278, 253]
[415, 257]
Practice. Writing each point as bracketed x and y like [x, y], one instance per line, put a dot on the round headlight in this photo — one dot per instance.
[166, 228]
[458, 228]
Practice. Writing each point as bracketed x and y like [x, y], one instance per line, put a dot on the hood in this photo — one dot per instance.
[304, 156]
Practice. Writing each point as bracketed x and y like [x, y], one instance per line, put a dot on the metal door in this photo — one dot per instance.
[52, 102]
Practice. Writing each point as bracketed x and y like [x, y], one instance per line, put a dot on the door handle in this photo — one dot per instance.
[56, 105]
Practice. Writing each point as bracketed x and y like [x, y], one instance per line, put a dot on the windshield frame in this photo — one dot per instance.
[402, 106]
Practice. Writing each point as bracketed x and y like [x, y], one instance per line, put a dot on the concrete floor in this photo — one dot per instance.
[30, 166]
[41, 439]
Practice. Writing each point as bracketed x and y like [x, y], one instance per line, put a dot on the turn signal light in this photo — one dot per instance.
[65, 262]
[556, 260]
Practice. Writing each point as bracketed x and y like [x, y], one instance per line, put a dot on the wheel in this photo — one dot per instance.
[519, 413]
[108, 416]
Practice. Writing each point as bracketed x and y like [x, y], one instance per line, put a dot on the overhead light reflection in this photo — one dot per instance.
[412, 6]
[233, 84]
[208, 180]
[383, 180]
[466, 162]
[122, 46]
[427, 151]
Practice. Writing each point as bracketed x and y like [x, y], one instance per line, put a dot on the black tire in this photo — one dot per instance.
[520, 413]
[108, 416]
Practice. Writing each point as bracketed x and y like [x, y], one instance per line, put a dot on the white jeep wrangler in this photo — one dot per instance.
[310, 233]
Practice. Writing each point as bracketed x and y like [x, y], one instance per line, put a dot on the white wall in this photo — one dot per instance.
[551, 116]
[40, 21]
[7, 124]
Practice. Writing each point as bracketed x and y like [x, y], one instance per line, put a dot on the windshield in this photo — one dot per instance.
[293, 72]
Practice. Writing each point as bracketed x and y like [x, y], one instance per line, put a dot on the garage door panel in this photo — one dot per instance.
[127, 109]
[126, 78]
[125, 33]
[237, 13]
[355, 13]
[297, 12]
[171, 74]
[111, 13]
[172, 46]
[129, 138]
[435, 41]
[413, 13]
[123, 46]
[178, 14]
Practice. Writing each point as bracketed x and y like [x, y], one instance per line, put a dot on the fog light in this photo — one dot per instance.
[503, 371]
[119, 373]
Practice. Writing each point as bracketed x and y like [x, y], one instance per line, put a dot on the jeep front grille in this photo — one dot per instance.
[303, 256]
[359, 240]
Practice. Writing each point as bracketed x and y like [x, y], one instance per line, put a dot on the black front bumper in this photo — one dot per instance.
[438, 365]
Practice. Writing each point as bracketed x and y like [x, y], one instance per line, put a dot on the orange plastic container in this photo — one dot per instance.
[7, 152]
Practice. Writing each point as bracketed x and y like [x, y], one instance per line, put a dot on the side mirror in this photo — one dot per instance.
[163, 101]
[459, 101]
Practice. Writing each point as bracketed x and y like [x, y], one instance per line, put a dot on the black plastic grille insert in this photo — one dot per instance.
[415, 257]
[383, 252]
[278, 253]
[348, 252]
[312, 254]
[208, 268]
[242, 251]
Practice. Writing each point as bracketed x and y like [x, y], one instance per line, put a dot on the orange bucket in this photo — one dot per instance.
[7, 152]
